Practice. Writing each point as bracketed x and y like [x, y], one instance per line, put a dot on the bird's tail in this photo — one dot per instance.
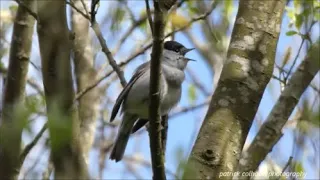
[123, 137]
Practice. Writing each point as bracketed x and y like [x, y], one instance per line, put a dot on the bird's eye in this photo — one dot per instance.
[177, 50]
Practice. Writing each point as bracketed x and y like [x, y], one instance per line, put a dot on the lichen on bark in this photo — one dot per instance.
[248, 69]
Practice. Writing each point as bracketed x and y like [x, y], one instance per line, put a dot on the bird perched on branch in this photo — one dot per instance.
[134, 98]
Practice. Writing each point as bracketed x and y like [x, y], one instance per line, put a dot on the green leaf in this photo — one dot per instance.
[306, 13]
[315, 119]
[192, 94]
[178, 20]
[190, 4]
[184, 170]
[33, 103]
[299, 21]
[13, 8]
[143, 26]
[193, 10]
[117, 18]
[297, 4]
[316, 3]
[298, 167]
[303, 126]
[228, 5]
[290, 13]
[60, 126]
[317, 16]
[291, 33]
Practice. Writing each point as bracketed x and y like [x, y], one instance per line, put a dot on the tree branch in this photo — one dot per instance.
[105, 49]
[245, 75]
[149, 16]
[96, 28]
[85, 73]
[270, 132]
[63, 122]
[156, 148]
[12, 124]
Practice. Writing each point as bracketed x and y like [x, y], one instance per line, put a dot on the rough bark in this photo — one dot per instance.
[59, 94]
[248, 69]
[14, 91]
[270, 132]
[85, 74]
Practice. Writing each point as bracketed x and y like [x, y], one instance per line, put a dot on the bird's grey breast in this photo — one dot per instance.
[174, 78]
[173, 75]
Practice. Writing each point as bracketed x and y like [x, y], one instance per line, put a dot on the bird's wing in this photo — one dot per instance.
[122, 96]
[139, 124]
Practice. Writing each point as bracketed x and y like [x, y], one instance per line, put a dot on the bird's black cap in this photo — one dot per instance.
[175, 46]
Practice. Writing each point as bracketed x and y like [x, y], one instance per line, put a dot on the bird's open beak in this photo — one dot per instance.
[188, 59]
[186, 50]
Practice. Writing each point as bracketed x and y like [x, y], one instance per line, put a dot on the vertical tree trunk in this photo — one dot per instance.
[11, 125]
[85, 74]
[63, 122]
[244, 77]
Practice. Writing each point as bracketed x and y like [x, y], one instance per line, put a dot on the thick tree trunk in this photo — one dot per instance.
[85, 74]
[270, 132]
[248, 69]
[11, 124]
[63, 121]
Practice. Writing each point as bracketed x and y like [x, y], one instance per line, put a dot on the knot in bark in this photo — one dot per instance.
[208, 155]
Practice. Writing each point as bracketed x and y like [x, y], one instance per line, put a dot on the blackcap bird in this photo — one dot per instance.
[134, 98]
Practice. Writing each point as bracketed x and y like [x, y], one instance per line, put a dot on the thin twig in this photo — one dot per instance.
[31, 82]
[29, 147]
[96, 28]
[315, 88]
[133, 26]
[149, 16]
[193, 20]
[105, 49]
[286, 166]
[277, 78]
[180, 3]
[297, 56]
[70, 3]
[36, 162]
[85, 7]
[94, 9]
[96, 83]
[190, 108]
[33, 14]
[129, 10]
